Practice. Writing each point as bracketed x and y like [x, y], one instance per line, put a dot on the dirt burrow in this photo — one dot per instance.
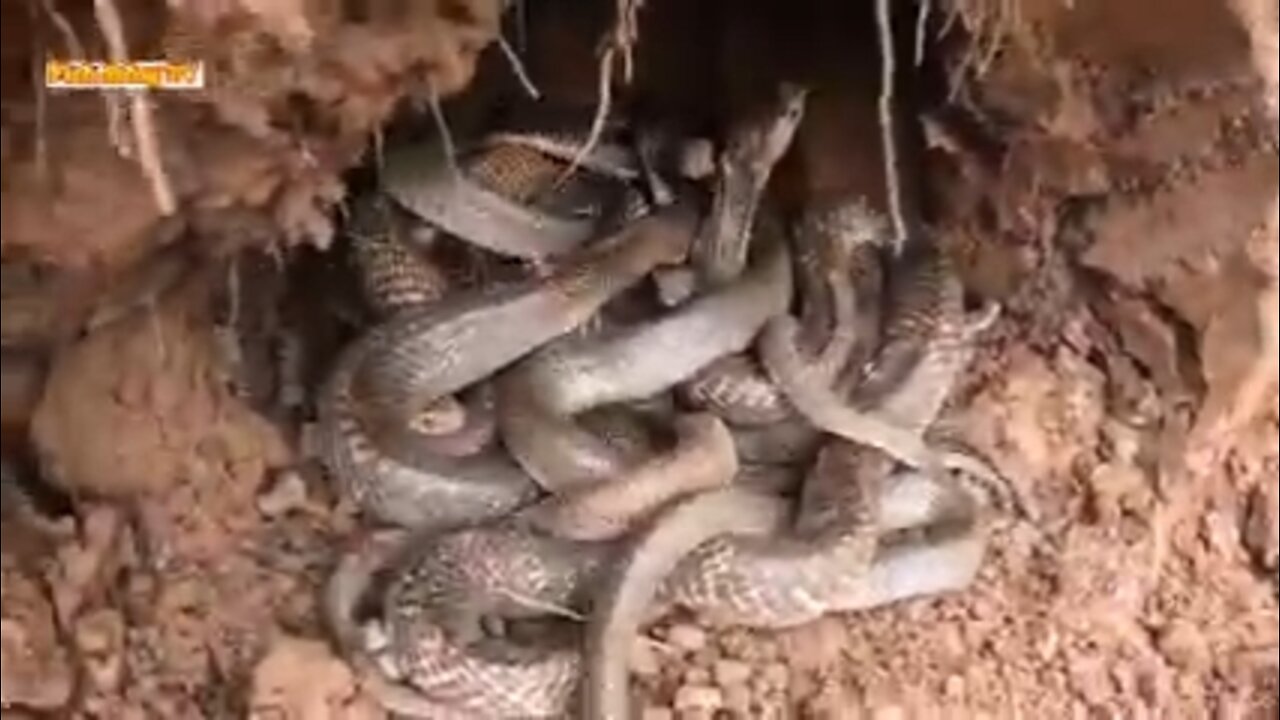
[1110, 179]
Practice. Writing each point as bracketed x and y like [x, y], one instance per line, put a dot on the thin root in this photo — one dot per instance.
[603, 108]
[42, 98]
[622, 41]
[144, 131]
[64, 27]
[442, 124]
[75, 50]
[379, 149]
[922, 31]
[149, 153]
[888, 126]
[517, 66]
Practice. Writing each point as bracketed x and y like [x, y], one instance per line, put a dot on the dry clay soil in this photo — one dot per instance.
[1114, 185]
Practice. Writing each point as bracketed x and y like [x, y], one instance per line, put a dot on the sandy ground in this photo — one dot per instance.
[1110, 179]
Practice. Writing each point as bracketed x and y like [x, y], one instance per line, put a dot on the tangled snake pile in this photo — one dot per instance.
[638, 424]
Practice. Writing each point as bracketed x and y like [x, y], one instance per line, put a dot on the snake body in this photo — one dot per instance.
[416, 358]
[838, 254]
[422, 356]
[754, 146]
[487, 548]
[543, 394]
[734, 571]
[506, 197]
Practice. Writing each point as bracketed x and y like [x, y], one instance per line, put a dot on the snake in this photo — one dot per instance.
[507, 195]
[543, 393]
[508, 561]
[827, 562]
[754, 146]
[839, 260]
[517, 559]
[420, 356]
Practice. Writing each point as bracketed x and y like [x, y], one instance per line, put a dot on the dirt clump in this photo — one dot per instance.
[1111, 180]
[35, 670]
[303, 680]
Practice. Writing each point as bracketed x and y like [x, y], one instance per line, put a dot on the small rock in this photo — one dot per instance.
[1262, 528]
[34, 667]
[736, 644]
[288, 493]
[1089, 678]
[689, 638]
[706, 657]
[1185, 646]
[759, 686]
[803, 687]
[777, 675]
[697, 676]
[644, 658]
[675, 285]
[100, 637]
[815, 647]
[737, 700]
[699, 697]
[889, 712]
[302, 680]
[731, 672]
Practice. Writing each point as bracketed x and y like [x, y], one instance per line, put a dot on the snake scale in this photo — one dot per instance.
[502, 555]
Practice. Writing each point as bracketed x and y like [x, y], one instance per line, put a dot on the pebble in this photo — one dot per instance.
[777, 675]
[287, 493]
[644, 658]
[817, 646]
[100, 638]
[954, 688]
[697, 676]
[759, 686]
[689, 638]
[889, 712]
[737, 644]
[731, 672]
[1185, 646]
[707, 657]
[699, 697]
[738, 699]
[803, 687]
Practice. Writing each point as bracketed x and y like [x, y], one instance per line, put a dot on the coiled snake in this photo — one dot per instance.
[631, 526]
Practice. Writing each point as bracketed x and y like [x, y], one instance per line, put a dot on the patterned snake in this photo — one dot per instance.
[488, 548]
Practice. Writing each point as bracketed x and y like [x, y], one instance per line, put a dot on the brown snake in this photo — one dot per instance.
[724, 550]
[544, 392]
[828, 561]
[421, 356]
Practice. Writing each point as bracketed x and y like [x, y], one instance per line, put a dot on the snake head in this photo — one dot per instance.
[762, 140]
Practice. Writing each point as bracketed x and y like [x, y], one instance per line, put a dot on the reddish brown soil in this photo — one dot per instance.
[1113, 182]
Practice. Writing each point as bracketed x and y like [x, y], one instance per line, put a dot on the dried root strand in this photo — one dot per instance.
[450, 147]
[517, 66]
[41, 97]
[620, 44]
[143, 121]
[888, 124]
